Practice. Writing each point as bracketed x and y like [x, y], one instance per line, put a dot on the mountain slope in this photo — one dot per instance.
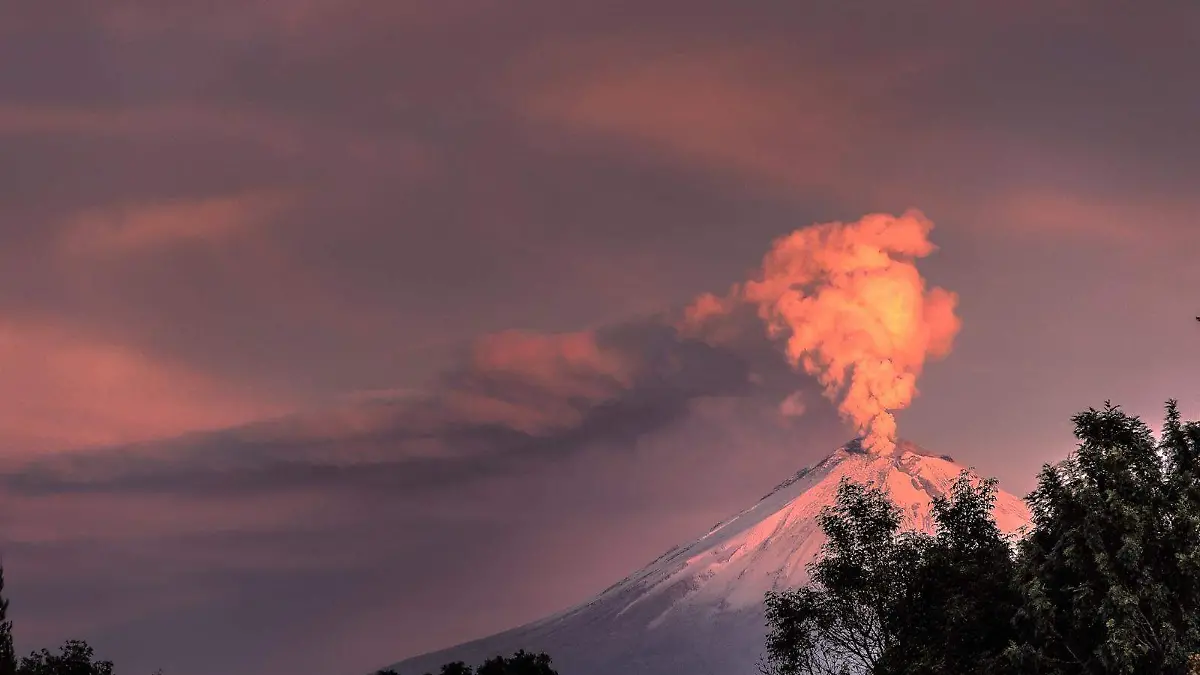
[699, 608]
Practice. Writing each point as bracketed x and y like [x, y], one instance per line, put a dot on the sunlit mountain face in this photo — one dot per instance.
[698, 608]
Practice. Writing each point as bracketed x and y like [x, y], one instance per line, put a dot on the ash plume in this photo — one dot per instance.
[851, 309]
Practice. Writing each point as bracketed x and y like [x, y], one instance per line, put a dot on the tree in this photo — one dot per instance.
[1110, 572]
[848, 618]
[1105, 582]
[520, 663]
[887, 602]
[957, 612]
[74, 658]
[8, 656]
[456, 668]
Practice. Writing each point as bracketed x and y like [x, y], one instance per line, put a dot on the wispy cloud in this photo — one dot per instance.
[503, 404]
[788, 121]
[62, 389]
[727, 107]
[1129, 220]
[136, 228]
[173, 119]
[518, 394]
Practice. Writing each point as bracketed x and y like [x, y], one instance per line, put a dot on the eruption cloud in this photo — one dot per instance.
[853, 309]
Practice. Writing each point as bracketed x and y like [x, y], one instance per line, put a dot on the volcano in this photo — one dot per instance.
[698, 608]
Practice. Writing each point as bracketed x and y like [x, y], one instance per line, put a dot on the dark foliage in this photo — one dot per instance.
[456, 668]
[73, 658]
[8, 657]
[846, 621]
[1110, 573]
[887, 601]
[956, 614]
[1106, 581]
[77, 657]
[520, 663]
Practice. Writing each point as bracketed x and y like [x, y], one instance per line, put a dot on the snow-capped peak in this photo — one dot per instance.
[699, 607]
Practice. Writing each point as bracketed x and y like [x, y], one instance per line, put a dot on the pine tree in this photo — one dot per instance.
[8, 656]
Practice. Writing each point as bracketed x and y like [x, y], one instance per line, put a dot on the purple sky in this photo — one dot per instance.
[254, 252]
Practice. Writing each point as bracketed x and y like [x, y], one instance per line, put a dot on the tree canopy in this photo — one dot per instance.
[1110, 574]
[1105, 582]
[520, 663]
[884, 601]
[75, 657]
[8, 655]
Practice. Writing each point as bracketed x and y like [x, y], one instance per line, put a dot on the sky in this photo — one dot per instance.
[333, 332]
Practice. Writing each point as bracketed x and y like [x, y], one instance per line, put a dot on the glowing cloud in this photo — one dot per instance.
[854, 311]
[64, 389]
[537, 383]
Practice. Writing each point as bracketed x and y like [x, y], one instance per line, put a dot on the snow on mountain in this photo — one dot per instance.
[698, 608]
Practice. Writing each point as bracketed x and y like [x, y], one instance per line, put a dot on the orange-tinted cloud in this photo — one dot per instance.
[793, 405]
[849, 130]
[549, 381]
[555, 362]
[726, 108]
[1129, 221]
[61, 389]
[134, 228]
[514, 395]
[853, 309]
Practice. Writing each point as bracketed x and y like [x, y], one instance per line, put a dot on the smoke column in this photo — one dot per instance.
[853, 311]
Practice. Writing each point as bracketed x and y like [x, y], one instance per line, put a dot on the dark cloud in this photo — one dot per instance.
[352, 506]
[516, 398]
[367, 503]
